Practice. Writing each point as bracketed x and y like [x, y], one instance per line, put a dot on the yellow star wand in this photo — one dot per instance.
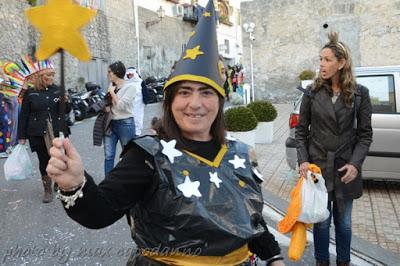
[59, 22]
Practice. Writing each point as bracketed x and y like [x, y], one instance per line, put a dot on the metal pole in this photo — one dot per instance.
[251, 69]
[62, 92]
[136, 15]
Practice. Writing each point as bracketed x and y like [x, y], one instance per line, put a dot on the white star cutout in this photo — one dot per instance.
[189, 188]
[214, 179]
[238, 162]
[169, 150]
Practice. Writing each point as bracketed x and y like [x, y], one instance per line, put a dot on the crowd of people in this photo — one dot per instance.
[188, 188]
[234, 80]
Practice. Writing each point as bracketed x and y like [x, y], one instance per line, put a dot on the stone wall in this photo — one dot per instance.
[161, 43]
[14, 28]
[121, 31]
[290, 33]
[110, 36]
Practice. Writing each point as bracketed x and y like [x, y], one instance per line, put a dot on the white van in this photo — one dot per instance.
[383, 161]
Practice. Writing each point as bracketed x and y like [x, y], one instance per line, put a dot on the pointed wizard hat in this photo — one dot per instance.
[200, 62]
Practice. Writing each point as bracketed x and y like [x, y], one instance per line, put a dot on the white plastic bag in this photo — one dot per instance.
[314, 200]
[18, 165]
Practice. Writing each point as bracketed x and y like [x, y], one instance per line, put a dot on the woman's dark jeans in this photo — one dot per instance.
[342, 221]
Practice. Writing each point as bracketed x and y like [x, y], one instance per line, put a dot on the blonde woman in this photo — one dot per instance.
[40, 105]
[335, 133]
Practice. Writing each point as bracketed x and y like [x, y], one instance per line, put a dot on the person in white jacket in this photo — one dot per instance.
[122, 95]
[132, 77]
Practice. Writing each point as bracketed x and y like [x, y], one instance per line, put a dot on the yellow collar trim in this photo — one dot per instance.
[217, 160]
[201, 79]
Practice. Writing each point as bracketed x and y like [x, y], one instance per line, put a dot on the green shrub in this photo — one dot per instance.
[240, 119]
[263, 110]
[306, 75]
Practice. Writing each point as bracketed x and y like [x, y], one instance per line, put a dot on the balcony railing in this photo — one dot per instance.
[190, 13]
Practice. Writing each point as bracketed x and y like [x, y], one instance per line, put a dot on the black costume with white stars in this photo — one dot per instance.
[199, 203]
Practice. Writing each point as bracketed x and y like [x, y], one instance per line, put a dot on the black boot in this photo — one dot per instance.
[342, 263]
[321, 263]
[48, 193]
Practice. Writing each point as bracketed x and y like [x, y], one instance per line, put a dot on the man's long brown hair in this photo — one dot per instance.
[169, 129]
[347, 81]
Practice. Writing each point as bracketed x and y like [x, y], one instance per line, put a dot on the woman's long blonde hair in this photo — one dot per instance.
[347, 81]
[37, 81]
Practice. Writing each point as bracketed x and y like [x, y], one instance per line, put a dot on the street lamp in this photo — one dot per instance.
[249, 28]
[160, 14]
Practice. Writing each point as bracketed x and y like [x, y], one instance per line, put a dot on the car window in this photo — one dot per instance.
[381, 92]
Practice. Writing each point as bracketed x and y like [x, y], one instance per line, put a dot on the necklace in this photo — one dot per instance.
[336, 93]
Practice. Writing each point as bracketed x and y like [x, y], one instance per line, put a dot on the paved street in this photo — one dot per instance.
[375, 215]
[32, 233]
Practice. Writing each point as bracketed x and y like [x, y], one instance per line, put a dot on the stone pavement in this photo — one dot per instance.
[376, 215]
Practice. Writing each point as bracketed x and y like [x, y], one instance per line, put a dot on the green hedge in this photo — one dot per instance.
[263, 110]
[240, 119]
[307, 75]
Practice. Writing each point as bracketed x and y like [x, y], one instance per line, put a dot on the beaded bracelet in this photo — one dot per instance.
[70, 200]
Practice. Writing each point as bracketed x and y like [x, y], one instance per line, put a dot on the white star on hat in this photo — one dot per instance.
[238, 162]
[169, 150]
[215, 179]
[189, 188]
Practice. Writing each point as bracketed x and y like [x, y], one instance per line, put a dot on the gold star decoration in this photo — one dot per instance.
[192, 33]
[242, 183]
[185, 172]
[193, 53]
[59, 23]
[207, 14]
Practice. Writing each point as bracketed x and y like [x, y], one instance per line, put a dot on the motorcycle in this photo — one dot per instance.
[155, 89]
[79, 106]
[93, 96]
[82, 103]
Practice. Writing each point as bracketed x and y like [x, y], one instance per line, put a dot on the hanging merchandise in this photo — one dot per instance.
[8, 112]
[5, 129]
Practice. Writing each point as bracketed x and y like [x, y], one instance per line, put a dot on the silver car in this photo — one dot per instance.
[383, 161]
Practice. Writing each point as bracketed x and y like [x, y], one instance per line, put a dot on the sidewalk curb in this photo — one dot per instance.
[358, 246]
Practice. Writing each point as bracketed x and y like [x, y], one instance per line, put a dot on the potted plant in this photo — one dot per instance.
[241, 123]
[265, 113]
[306, 77]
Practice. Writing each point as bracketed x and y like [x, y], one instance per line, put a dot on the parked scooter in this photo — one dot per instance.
[83, 102]
[155, 89]
[94, 95]
[79, 106]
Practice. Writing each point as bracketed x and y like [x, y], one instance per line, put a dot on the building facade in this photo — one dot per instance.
[149, 35]
[290, 33]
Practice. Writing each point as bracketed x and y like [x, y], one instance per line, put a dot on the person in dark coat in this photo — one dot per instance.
[335, 133]
[192, 196]
[40, 119]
